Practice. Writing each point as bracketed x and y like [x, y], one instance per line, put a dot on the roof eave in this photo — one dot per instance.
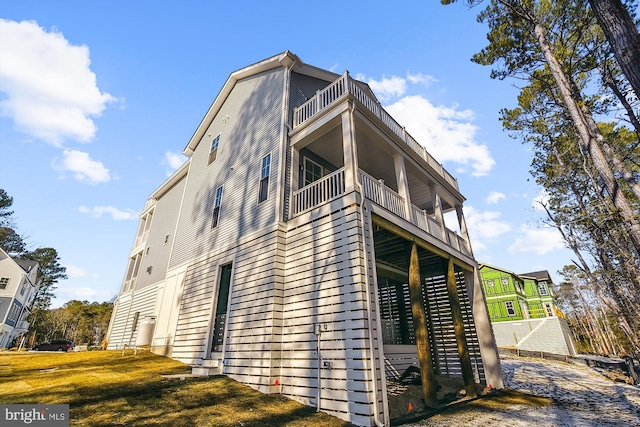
[285, 59]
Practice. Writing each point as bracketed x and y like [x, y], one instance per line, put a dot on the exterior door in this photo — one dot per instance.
[222, 306]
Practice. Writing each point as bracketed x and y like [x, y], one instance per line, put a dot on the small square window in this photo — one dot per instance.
[490, 283]
[505, 280]
[4, 281]
[213, 153]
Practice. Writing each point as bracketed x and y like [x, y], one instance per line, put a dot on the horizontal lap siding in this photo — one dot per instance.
[252, 339]
[324, 284]
[142, 301]
[252, 347]
[249, 125]
[195, 312]
[165, 217]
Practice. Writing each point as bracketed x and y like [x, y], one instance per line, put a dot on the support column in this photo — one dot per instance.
[458, 327]
[488, 348]
[463, 228]
[295, 169]
[437, 209]
[349, 152]
[420, 327]
[403, 184]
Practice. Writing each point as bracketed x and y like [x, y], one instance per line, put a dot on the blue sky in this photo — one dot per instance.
[98, 99]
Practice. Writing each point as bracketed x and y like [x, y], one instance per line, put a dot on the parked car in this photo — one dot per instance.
[55, 345]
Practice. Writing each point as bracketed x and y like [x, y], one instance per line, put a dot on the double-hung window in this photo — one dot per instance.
[213, 153]
[265, 171]
[216, 208]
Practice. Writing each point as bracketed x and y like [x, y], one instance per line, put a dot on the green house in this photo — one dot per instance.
[523, 311]
[512, 296]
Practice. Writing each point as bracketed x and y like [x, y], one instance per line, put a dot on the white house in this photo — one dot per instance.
[302, 250]
[18, 286]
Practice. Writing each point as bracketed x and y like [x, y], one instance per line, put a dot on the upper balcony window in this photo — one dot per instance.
[312, 171]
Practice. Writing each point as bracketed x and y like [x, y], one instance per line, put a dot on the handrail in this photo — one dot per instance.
[318, 192]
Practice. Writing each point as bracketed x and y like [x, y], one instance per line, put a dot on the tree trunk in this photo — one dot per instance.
[587, 142]
[622, 34]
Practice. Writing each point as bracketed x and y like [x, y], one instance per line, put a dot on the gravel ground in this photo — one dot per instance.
[581, 397]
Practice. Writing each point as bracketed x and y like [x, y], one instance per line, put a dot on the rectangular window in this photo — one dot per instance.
[24, 288]
[548, 309]
[542, 288]
[216, 208]
[312, 171]
[166, 239]
[511, 311]
[265, 171]
[213, 153]
[4, 281]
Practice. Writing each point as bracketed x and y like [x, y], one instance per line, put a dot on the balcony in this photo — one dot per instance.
[345, 87]
[332, 187]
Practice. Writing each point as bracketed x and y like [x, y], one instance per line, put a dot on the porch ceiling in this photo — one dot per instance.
[394, 251]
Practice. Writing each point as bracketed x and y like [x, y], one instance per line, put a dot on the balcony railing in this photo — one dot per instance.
[345, 86]
[318, 193]
[382, 195]
[332, 187]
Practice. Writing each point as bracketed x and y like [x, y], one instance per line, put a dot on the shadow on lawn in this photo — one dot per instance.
[109, 389]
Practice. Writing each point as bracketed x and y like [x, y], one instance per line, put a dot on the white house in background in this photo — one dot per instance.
[18, 286]
[294, 248]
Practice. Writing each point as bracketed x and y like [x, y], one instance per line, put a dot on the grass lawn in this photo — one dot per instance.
[104, 388]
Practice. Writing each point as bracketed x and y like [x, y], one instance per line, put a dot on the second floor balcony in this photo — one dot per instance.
[342, 139]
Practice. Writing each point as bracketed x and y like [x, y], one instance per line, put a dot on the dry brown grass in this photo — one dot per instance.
[104, 388]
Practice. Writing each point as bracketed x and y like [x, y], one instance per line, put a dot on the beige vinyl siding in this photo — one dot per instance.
[122, 319]
[324, 285]
[249, 125]
[165, 217]
[252, 339]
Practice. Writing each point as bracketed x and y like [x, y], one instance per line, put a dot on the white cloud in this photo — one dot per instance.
[116, 214]
[174, 161]
[537, 240]
[82, 167]
[387, 88]
[446, 132]
[494, 197]
[485, 224]
[49, 90]
[420, 78]
[75, 271]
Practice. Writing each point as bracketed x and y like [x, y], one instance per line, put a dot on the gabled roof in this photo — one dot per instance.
[286, 59]
[538, 275]
[26, 264]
